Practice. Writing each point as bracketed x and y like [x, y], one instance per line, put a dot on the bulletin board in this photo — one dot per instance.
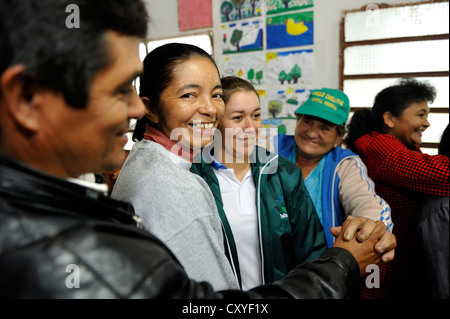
[271, 44]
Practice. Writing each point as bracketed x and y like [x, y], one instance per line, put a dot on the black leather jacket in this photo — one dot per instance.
[61, 240]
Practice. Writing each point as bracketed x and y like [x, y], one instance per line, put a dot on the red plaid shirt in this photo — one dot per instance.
[402, 177]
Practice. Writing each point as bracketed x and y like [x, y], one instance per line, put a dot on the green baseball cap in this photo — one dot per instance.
[328, 104]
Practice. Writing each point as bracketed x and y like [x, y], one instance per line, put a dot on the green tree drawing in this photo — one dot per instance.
[282, 77]
[226, 9]
[238, 4]
[235, 38]
[251, 75]
[289, 78]
[296, 73]
[259, 76]
[274, 108]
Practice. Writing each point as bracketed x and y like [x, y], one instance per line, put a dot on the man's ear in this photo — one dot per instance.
[17, 93]
[388, 119]
[150, 111]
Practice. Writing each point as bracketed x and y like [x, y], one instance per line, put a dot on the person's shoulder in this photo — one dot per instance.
[276, 165]
[149, 149]
[286, 164]
[150, 158]
[99, 259]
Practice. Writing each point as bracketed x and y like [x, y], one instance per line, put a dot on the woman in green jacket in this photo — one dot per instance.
[269, 220]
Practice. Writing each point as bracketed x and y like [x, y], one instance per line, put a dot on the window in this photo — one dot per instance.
[201, 40]
[381, 44]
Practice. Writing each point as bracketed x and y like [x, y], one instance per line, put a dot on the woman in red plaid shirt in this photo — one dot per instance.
[387, 138]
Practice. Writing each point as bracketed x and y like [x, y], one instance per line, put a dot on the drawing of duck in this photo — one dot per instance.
[294, 28]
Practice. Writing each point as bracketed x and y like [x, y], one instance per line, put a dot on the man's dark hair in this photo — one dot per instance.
[34, 33]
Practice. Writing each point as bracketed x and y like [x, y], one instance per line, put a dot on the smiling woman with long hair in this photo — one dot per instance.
[182, 92]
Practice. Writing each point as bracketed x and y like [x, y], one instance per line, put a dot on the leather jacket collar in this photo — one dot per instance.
[36, 190]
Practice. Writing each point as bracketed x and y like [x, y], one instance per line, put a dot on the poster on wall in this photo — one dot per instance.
[242, 37]
[248, 67]
[280, 6]
[290, 68]
[282, 103]
[194, 14]
[269, 129]
[275, 127]
[288, 30]
[232, 10]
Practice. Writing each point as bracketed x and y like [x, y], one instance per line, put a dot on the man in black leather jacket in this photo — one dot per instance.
[66, 69]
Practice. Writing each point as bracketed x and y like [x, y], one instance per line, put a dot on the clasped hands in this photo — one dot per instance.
[367, 240]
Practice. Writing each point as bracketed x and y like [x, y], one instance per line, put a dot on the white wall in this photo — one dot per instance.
[327, 19]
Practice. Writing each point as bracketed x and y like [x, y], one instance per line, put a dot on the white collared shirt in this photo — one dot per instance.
[240, 208]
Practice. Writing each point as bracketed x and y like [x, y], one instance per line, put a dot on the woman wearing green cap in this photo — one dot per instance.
[335, 177]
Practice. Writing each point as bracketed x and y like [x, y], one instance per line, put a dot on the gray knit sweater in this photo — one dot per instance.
[179, 208]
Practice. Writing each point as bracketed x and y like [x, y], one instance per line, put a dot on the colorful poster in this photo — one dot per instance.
[280, 6]
[290, 30]
[273, 126]
[282, 103]
[249, 67]
[290, 68]
[194, 14]
[242, 37]
[269, 129]
[232, 10]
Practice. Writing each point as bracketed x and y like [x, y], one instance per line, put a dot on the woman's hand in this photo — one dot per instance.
[368, 241]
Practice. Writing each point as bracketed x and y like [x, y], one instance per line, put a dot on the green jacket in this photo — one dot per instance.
[290, 232]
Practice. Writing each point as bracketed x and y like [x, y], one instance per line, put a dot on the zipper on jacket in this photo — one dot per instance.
[231, 255]
[259, 219]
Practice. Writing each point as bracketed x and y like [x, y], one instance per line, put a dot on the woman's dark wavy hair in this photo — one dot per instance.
[34, 33]
[394, 99]
[158, 74]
